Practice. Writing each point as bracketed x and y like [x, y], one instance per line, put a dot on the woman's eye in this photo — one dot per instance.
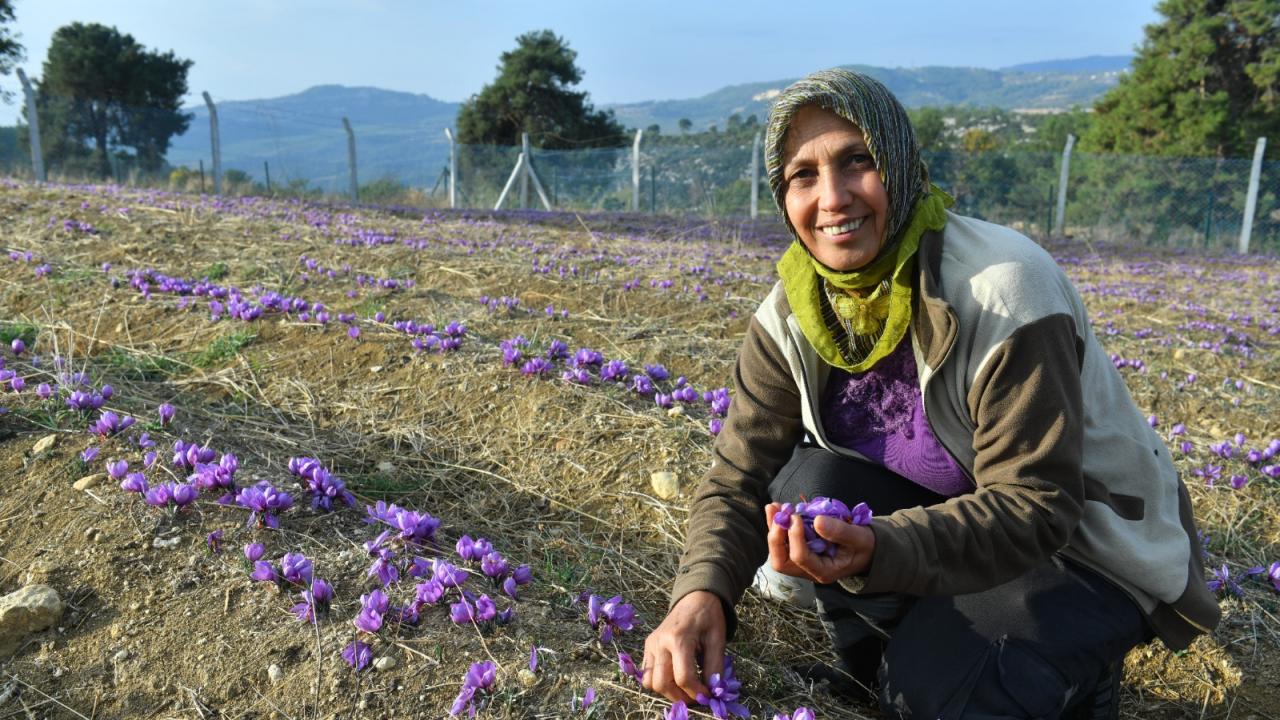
[860, 160]
[802, 174]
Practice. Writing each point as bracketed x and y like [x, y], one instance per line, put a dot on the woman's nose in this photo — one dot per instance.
[834, 193]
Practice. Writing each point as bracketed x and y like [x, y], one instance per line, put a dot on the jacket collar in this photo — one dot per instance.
[933, 319]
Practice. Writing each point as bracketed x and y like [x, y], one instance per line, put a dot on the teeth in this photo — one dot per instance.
[847, 227]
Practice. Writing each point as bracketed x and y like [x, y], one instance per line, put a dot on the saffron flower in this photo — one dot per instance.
[478, 680]
[43, 391]
[324, 487]
[533, 657]
[117, 469]
[588, 697]
[557, 350]
[358, 655]
[1273, 574]
[428, 593]
[17, 346]
[296, 568]
[166, 413]
[214, 541]
[801, 713]
[109, 424]
[809, 511]
[89, 455]
[469, 549]
[677, 711]
[447, 574]
[628, 667]
[305, 611]
[657, 372]
[134, 483]
[265, 503]
[609, 616]
[321, 591]
[263, 571]
[253, 552]
[493, 565]
[725, 690]
[535, 366]
[613, 371]
[1222, 580]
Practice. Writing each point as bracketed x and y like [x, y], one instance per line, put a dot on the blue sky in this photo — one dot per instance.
[628, 51]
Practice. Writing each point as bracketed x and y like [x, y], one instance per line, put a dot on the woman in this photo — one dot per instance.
[1030, 528]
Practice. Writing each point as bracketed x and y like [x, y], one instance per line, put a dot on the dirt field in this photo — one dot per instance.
[123, 287]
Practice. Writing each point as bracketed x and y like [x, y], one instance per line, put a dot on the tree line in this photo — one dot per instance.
[1205, 82]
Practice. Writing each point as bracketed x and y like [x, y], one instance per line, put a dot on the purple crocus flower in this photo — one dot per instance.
[663, 400]
[557, 350]
[296, 568]
[1273, 574]
[657, 372]
[253, 552]
[801, 713]
[263, 571]
[469, 549]
[214, 541]
[533, 659]
[264, 502]
[677, 711]
[117, 469]
[642, 385]
[358, 655]
[18, 346]
[166, 413]
[493, 565]
[478, 680]
[509, 588]
[429, 593]
[523, 575]
[43, 391]
[305, 611]
[321, 591]
[588, 697]
[535, 366]
[725, 690]
[158, 496]
[715, 425]
[610, 615]
[628, 667]
[613, 371]
[1222, 580]
[134, 483]
[89, 455]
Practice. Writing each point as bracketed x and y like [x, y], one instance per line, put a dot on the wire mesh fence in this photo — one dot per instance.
[402, 157]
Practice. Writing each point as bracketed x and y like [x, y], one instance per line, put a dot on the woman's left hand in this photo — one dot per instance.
[790, 555]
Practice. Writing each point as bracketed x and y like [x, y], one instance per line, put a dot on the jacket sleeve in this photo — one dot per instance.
[725, 536]
[1027, 405]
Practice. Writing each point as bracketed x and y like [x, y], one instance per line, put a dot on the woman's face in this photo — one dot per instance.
[834, 197]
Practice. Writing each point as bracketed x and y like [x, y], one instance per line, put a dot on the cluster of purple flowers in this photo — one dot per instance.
[176, 494]
[324, 487]
[412, 527]
[810, 511]
[584, 361]
[219, 476]
[265, 502]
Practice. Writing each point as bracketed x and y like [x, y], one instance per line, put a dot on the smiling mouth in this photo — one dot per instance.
[833, 230]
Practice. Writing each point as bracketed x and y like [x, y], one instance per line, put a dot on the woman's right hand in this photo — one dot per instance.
[693, 630]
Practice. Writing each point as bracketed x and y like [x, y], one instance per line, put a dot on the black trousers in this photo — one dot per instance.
[1035, 647]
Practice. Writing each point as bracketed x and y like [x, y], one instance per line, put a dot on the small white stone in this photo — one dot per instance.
[120, 656]
[43, 444]
[386, 662]
[675, 412]
[386, 466]
[274, 673]
[166, 543]
[665, 484]
[89, 481]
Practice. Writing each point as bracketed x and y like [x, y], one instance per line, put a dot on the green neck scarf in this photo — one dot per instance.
[803, 278]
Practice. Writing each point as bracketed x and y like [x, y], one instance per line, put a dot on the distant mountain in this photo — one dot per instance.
[1090, 64]
[401, 135]
[398, 134]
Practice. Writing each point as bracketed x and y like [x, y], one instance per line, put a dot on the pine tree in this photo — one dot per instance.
[533, 94]
[1205, 82]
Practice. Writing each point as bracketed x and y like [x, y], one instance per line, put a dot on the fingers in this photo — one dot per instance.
[837, 531]
[686, 677]
[777, 540]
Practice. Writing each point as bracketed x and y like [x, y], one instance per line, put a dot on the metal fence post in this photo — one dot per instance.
[635, 173]
[524, 174]
[1251, 200]
[453, 169]
[1060, 221]
[216, 144]
[755, 176]
[33, 129]
[351, 160]
[266, 171]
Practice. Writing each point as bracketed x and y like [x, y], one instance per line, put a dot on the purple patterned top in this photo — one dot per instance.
[880, 414]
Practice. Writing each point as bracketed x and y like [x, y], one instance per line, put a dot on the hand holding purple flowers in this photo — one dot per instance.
[840, 545]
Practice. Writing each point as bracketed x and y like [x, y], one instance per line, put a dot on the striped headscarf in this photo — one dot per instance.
[883, 121]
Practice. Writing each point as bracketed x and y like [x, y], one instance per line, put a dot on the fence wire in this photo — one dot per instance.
[402, 158]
